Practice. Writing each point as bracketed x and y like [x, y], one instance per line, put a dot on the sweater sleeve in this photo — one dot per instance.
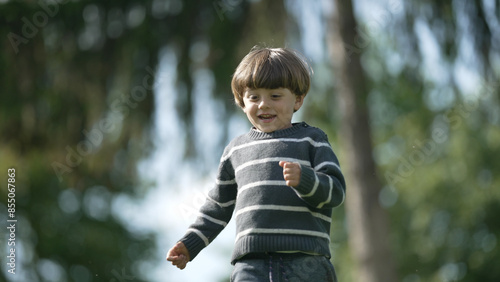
[215, 213]
[322, 185]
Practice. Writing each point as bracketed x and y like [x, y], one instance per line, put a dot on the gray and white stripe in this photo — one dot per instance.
[282, 231]
[283, 208]
[259, 142]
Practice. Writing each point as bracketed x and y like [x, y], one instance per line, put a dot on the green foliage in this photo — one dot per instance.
[435, 144]
[77, 80]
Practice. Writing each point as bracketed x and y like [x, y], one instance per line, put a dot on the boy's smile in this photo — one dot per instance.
[271, 109]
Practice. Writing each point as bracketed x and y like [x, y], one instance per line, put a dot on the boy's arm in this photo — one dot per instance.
[321, 185]
[215, 213]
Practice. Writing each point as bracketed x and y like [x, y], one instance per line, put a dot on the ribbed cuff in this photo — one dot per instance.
[193, 243]
[307, 180]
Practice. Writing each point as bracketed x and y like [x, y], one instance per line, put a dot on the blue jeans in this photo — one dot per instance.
[277, 268]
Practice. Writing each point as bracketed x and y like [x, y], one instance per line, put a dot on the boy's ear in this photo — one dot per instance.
[298, 102]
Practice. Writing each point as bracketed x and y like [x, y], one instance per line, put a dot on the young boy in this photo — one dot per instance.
[280, 180]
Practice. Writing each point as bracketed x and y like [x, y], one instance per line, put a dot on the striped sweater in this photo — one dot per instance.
[271, 216]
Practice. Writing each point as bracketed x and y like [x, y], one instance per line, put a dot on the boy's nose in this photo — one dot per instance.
[263, 104]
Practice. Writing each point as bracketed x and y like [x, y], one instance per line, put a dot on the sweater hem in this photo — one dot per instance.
[279, 243]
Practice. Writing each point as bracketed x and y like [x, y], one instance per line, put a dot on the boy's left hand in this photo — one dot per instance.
[291, 173]
[179, 255]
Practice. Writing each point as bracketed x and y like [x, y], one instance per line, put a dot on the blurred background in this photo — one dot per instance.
[114, 115]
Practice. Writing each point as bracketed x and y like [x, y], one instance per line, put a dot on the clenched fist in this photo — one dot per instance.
[291, 173]
[178, 255]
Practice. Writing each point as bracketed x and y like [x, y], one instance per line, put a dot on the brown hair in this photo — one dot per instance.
[271, 68]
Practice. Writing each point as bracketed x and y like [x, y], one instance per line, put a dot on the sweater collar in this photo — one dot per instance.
[255, 134]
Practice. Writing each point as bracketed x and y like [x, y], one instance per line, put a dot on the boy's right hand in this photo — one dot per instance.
[179, 255]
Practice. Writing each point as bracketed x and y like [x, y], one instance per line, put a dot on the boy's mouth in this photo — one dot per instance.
[266, 117]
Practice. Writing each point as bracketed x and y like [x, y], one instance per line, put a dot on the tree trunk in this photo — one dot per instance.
[369, 236]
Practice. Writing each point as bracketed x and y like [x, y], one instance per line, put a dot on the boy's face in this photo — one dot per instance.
[271, 109]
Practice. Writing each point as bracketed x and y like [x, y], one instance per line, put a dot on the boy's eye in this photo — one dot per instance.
[253, 97]
[275, 96]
